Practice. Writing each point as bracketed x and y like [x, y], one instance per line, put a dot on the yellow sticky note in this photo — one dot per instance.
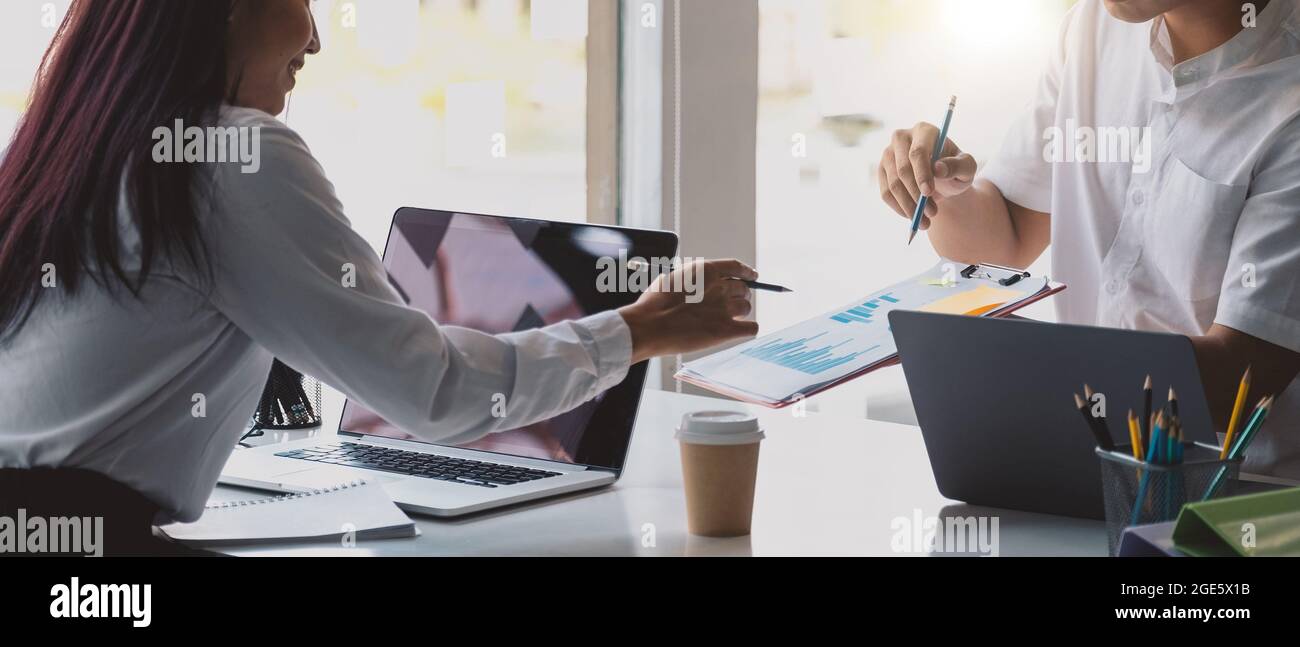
[968, 302]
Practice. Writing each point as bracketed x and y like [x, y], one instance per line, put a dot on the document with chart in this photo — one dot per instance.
[780, 368]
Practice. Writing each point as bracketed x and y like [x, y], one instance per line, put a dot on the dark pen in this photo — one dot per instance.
[638, 266]
[766, 287]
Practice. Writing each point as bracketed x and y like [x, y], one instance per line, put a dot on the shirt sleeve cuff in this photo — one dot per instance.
[1258, 322]
[612, 341]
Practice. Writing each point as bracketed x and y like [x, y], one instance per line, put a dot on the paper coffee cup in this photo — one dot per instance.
[719, 468]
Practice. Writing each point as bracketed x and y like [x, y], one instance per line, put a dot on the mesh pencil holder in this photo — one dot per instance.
[289, 401]
[1138, 493]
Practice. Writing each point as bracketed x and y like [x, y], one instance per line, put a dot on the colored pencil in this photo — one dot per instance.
[1134, 436]
[1153, 458]
[1095, 425]
[1251, 429]
[934, 157]
[1242, 389]
[1147, 420]
[1243, 442]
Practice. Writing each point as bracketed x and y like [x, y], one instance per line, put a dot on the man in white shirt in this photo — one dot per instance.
[1161, 160]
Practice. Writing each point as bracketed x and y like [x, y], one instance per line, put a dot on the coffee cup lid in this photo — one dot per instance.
[719, 428]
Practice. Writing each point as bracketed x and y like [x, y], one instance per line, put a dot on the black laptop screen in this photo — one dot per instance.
[502, 275]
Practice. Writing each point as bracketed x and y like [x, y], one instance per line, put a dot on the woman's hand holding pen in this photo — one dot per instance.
[668, 320]
[905, 172]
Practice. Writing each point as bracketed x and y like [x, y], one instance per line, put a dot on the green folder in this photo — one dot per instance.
[1253, 525]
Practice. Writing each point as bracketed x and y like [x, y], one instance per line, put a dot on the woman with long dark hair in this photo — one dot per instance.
[131, 280]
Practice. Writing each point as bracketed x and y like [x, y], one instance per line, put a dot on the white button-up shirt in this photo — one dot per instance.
[109, 383]
[1174, 190]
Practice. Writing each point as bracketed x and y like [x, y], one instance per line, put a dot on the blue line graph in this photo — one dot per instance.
[864, 313]
[799, 356]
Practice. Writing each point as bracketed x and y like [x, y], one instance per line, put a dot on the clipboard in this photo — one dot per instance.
[980, 282]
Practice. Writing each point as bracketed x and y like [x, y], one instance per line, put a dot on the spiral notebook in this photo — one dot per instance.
[358, 509]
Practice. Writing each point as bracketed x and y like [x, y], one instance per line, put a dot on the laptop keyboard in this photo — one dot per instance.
[430, 466]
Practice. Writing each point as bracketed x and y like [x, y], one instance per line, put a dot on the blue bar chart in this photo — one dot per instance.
[867, 311]
[800, 354]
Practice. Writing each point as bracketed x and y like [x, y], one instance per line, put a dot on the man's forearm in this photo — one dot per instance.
[980, 226]
[1223, 355]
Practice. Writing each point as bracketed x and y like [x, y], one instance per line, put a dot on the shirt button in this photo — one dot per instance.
[1112, 287]
[1139, 198]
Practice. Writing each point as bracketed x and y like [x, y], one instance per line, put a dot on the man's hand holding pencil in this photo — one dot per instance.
[906, 171]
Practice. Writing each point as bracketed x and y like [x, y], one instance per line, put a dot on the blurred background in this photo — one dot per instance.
[842, 75]
[404, 101]
[499, 106]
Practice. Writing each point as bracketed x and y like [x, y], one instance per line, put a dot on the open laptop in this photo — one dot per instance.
[497, 275]
[994, 399]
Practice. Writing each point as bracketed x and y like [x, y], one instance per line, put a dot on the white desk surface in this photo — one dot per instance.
[826, 486]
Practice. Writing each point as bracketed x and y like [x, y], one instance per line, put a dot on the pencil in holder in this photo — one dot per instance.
[1137, 493]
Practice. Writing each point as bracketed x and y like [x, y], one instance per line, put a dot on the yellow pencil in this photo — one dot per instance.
[1236, 413]
[1134, 435]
